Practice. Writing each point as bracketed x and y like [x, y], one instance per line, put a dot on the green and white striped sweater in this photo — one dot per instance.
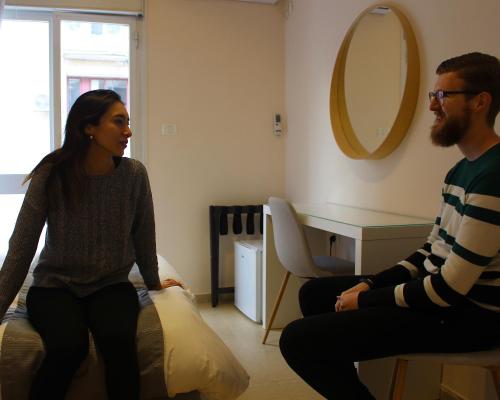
[461, 259]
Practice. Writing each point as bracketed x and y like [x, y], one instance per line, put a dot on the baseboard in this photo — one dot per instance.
[203, 298]
[207, 298]
[448, 394]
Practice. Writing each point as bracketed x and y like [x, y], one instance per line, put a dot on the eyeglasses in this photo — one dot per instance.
[440, 95]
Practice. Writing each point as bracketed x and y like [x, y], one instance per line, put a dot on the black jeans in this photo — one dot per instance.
[323, 346]
[63, 321]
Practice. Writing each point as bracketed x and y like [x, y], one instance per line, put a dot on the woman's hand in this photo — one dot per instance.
[348, 300]
[170, 282]
[167, 283]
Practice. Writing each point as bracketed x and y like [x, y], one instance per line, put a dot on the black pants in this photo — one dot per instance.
[323, 346]
[63, 321]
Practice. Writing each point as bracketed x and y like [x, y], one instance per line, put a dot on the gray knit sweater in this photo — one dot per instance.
[87, 248]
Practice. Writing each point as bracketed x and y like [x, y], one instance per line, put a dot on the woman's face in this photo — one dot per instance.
[112, 133]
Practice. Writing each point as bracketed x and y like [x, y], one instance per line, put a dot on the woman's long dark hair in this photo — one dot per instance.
[67, 161]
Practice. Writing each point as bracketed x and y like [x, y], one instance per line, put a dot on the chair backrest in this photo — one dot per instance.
[290, 240]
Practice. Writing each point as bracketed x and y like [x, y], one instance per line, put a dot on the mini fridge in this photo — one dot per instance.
[248, 278]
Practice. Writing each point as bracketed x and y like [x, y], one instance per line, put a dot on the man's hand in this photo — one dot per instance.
[348, 300]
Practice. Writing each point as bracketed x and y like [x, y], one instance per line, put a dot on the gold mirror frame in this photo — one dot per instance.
[341, 124]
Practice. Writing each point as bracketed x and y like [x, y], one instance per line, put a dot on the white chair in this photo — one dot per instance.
[294, 253]
[489, 359]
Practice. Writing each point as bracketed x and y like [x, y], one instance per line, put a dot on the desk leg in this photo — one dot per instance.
[272, 276]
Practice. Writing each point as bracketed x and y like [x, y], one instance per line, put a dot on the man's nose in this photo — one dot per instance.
[434, 104]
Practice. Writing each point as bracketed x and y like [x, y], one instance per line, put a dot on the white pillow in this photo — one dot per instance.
[195, 357]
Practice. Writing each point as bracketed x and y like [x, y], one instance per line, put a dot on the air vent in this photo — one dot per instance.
[261, 1]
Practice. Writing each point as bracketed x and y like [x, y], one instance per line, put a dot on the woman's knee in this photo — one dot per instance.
[116, 340]
[117, 346]
[68, 350]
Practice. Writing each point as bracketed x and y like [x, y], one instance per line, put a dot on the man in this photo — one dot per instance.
[446, 296]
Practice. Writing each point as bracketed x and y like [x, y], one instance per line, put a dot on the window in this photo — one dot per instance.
[24, 85]
[48, 60]
[94, 55]
[79, 85]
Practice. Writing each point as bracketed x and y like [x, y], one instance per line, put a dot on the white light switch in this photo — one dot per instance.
[168, 129]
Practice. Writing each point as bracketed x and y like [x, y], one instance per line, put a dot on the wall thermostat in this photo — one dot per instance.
[277, 124]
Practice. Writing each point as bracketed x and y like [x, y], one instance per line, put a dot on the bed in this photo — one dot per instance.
[180, 356]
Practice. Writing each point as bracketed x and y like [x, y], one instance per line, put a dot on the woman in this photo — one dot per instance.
[99, 213]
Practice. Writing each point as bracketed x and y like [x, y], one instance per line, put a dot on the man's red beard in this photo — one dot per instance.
[449, 130]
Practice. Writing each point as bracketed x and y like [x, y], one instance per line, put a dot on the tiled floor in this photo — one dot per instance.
[270, 376]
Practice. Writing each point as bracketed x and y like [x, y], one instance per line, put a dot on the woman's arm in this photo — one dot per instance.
[24, 240]
[143, 231]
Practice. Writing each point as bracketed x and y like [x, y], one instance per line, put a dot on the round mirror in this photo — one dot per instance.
[375, 84]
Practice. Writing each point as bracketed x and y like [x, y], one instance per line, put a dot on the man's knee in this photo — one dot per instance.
[307, 291]
[314, 298]
[291, 340]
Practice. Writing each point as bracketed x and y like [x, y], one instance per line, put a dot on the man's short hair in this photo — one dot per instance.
[481, 73]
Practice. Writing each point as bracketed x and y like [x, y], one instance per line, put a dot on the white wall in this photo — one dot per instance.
[215, 69]
[409, 180]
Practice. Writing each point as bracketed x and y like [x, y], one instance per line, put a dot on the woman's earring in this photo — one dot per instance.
[91, 137]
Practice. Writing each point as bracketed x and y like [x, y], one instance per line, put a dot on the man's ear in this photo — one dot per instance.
[482, 102]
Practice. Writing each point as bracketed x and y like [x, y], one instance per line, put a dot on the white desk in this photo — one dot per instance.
[381, 240]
